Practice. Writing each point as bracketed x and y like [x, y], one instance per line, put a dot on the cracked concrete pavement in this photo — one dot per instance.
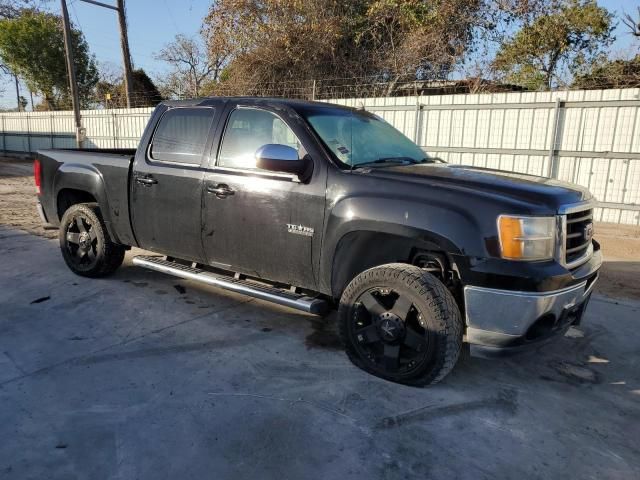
[142, 375]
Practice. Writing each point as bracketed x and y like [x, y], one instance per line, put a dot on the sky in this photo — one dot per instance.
[154, 23]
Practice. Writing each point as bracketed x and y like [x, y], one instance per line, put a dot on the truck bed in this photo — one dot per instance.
[104, 173]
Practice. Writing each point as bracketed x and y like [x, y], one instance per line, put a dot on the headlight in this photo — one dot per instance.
[527, 238]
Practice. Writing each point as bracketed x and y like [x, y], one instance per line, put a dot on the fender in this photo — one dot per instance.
[88, 179]
[407, 223]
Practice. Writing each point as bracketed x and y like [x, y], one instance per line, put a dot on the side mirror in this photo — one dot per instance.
[282, 158]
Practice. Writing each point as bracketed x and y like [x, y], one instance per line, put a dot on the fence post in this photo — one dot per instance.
[313, 91]
[553, 153]
[51, 129]
[28, 134]
[416, 132]
[4, 137]
[114, 127]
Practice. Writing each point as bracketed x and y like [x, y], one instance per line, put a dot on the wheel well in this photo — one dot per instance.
[68, 197]
[359, 251]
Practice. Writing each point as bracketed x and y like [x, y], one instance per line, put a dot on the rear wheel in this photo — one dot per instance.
[401, 323]
[85, 243]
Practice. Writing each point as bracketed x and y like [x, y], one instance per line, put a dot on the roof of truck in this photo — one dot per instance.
[290, 102]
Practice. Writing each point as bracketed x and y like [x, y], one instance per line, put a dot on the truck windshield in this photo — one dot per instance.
[359, 139]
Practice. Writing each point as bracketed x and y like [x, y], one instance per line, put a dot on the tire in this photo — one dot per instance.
[85, 243]
[400, 323]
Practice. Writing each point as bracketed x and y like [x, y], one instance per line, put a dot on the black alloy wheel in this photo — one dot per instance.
[85, 243]
[389, 331]
[82, 242]
[399, 322]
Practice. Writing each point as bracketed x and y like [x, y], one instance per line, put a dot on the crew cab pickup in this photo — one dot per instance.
[321, 207]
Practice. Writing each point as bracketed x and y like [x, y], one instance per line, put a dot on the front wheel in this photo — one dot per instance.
[401, 323]
[85, 243]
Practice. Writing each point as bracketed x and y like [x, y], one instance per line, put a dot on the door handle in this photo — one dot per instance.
[146, 180]
[220, 190]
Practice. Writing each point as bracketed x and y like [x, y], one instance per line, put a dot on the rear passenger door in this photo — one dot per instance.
[167, 179]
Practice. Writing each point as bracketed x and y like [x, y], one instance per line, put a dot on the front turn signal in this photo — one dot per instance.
[526, 238]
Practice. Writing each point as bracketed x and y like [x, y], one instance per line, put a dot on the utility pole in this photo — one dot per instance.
[17, 92]
[126, 56]
[71, 71]
[124, 44]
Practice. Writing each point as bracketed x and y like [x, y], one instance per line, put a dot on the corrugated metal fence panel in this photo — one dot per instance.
[528, 132]
[591, 137]
[32, 131]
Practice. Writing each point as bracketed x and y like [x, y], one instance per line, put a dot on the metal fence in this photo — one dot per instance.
[588, 137]
[32, 131]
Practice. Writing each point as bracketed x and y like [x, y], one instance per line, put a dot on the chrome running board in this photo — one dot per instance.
[287, 298]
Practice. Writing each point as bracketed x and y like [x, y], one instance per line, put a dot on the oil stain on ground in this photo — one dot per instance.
[324, 335]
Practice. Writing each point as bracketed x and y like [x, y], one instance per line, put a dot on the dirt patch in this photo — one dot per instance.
[18, 198]
[620, 274]
[619, 278]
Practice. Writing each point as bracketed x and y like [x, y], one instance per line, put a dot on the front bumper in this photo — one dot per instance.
[505, 321]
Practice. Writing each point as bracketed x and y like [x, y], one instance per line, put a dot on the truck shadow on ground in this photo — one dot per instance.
[322, 334]
[574, 359]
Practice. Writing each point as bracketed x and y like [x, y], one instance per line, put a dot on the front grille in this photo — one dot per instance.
[578, 236]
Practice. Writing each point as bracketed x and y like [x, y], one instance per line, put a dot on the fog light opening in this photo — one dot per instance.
[543, 326]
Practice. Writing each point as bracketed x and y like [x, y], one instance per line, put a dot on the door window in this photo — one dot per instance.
[247, 130]
[182, 135]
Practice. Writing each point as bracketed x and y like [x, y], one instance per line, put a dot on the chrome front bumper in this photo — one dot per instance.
[504, 318]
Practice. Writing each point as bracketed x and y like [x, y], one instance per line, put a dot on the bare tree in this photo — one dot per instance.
[632, 23]
[273, 44]
[190, 64]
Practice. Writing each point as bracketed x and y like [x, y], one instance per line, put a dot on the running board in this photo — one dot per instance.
[305, 303]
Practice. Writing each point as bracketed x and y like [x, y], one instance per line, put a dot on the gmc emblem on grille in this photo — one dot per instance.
[588, 232]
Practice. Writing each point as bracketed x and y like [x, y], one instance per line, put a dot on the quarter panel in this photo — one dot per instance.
[105, 176]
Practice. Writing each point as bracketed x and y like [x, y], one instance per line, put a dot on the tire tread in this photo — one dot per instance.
[441, 302]
[111, 253]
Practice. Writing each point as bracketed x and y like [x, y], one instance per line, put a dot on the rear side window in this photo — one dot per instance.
[182, 135]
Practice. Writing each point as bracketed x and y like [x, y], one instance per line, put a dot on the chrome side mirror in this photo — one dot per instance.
[275, 151]
[282, 158]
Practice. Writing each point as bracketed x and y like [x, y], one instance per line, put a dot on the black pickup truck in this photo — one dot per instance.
[321, 207]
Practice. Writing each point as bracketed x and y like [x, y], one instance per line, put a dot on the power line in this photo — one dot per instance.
[175, 25]
[124, 43]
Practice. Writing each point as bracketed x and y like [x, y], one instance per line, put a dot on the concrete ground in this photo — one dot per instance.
[145, 376]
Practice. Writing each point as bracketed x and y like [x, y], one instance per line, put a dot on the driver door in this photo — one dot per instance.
[261, 223]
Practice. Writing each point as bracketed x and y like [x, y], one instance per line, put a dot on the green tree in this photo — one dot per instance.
[32, 46]
[13, 8]
[555, 45]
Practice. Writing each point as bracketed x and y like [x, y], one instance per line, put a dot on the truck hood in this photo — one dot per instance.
[530, 189]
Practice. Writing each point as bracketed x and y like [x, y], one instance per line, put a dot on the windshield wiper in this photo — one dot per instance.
[388, 161]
